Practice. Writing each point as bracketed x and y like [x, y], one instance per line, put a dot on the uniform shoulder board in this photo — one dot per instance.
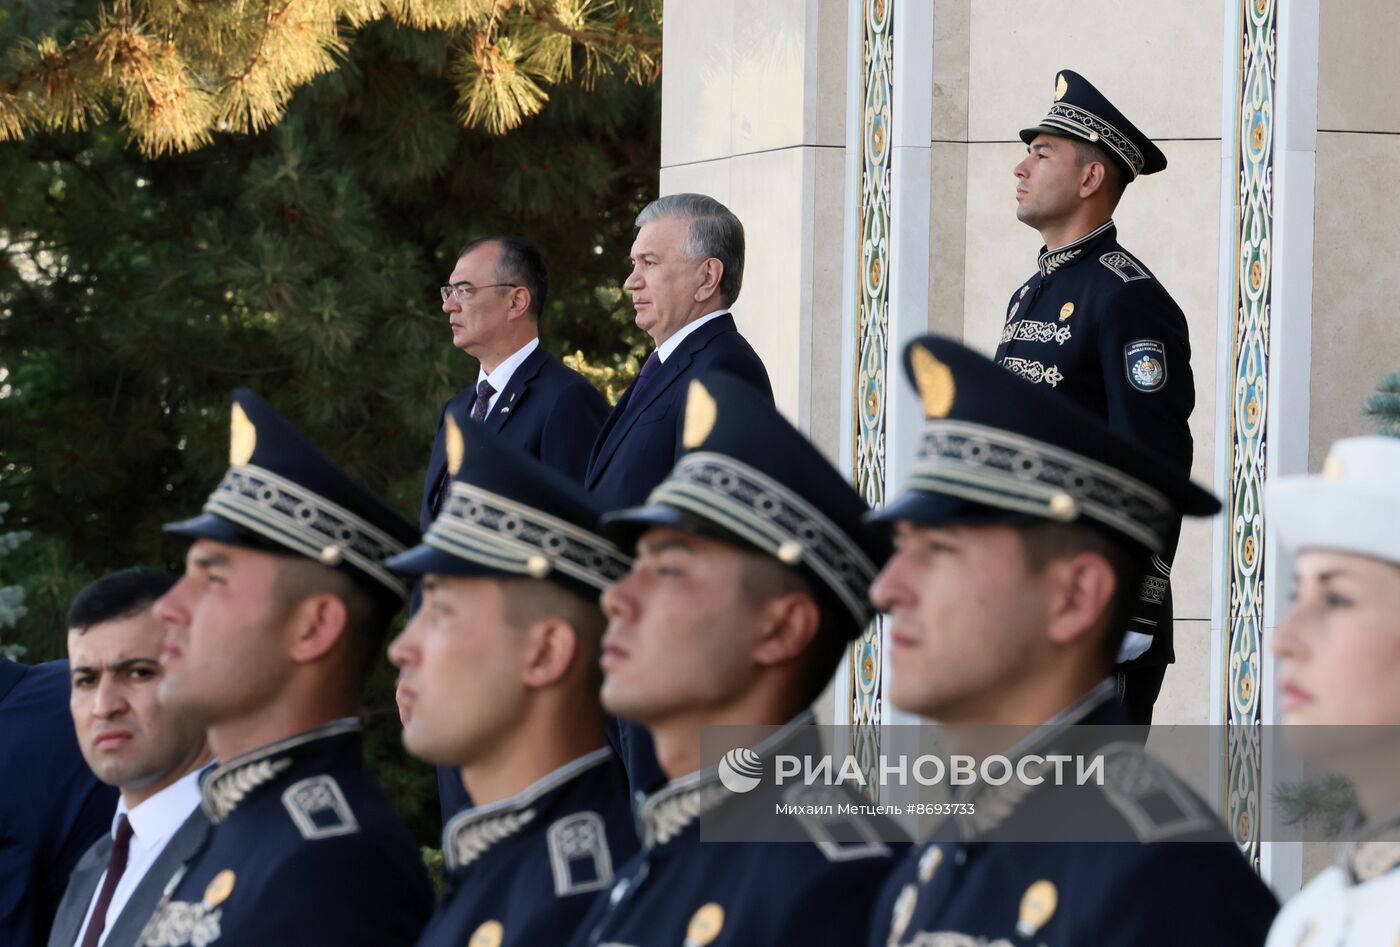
[840, 835]
[1124, 267]
[578, 854]
[319, 809]
[1156, 804]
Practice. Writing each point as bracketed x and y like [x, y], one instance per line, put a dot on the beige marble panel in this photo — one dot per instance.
[1000, 250]
[1357, 67]
[770, 90]
[952, 24]
[833, 25]
[769, 192]
[697, 81]
[1355, 341]
[1161, 63]
[947, 238]
[825, 316]
[1185, 697]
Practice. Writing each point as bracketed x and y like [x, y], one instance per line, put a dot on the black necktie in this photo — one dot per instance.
[484, 391]
[116, 864]
[643, 377]
[480, 406]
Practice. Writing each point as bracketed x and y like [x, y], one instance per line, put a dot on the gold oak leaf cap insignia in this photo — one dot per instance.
[1061, 87]
[1037, 906]
[700, 415]
[934, 381]
[455, 447]
[243, 437]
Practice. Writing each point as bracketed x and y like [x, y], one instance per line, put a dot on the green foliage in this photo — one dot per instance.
[1326, 803]
[175, 73]
[11, 596]
[1383, 408]
[302, 261]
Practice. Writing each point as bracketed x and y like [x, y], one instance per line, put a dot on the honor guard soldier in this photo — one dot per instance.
[499, 679]
[1339, 657]
[271, 632]
[1019, 541]
[750, 582]
[1094, 324]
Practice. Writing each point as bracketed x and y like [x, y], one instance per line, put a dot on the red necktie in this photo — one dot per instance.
[116, 864]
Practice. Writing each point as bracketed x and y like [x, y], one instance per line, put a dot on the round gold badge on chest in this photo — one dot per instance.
[705, 925]
[489, 934]
[219, 888]
[1066, 311]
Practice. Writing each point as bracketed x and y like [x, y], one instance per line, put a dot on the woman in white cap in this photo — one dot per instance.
[1339, 667]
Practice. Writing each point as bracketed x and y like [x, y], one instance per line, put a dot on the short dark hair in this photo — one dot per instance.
[714, 232]
[367, 617]
[527, 601]
[522, 263]
[117, 596]
[1047, 541]
[765, 578]
[1115, 179]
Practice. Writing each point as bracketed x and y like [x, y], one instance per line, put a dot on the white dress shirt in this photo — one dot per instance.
[664, 350]
[153, 822]
[501, 376]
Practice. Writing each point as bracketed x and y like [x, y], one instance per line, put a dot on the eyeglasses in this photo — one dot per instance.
[464, 291]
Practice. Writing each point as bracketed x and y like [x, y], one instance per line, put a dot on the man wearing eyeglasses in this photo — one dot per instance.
[494, 300]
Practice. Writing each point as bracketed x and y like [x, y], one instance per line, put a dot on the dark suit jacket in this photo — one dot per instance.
[637, 448]
[51, 806]
[126, 927]
[639, 444]
[547, 410]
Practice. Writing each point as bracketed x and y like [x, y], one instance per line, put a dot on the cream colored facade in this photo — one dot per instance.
[765, 108]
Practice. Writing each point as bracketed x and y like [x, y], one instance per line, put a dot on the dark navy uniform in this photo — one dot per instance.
[303, 847]
[984, 879]
[815, 886]
[525, 870]
[1095, 325]
[723, 866]
[1137, 860]
[304, 850]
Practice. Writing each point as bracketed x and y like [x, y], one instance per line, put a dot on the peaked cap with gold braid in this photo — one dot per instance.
[508, 515]
[1082, 111]
[283, 495]
[748, 477]
[997, 449]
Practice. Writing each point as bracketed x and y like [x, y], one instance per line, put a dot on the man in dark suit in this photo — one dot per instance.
[51, 806]
[494, 300]
[131, 742]
[687, 267]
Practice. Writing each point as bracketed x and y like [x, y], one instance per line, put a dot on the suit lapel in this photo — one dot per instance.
[187, 840]
[82, 885]
[625, 414]
[516, 389]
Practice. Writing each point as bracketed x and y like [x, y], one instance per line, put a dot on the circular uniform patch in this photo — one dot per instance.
[1146, 364]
